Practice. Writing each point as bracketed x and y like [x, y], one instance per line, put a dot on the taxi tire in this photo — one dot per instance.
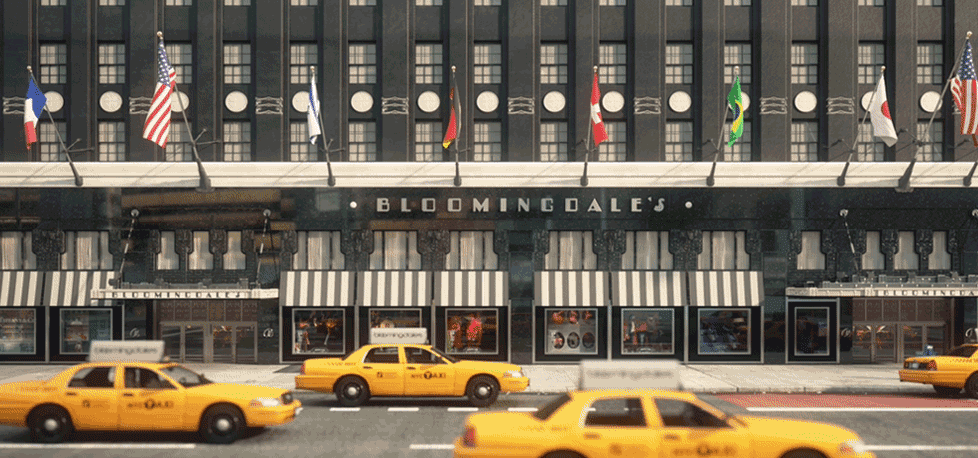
[563, 454]
[971, 386]
[344, 384]
[947, 391]
[479, 384]
[210, 423]
[803, 454]
[40, 416]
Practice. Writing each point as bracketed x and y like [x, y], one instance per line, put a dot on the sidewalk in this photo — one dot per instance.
[545, 379]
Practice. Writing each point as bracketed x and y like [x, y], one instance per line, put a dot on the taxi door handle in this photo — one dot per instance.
[592, 436]
[412, 368]
[671, 437]
[127, 394]
[367, 367]
[70, 393]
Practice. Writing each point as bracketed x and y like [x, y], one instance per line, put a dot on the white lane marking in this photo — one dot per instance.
[100, 446]
[522, 409]
[862, 409]
[463, 409]
[344, 409]
[432, 446]
[403, 409]
[940, 448]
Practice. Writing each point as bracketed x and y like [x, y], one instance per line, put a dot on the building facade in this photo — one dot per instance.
[807, 240]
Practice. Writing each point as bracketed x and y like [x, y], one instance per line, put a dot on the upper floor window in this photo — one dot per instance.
[487, 2]
[553, 2]
[49, 148]
[930, 2]
[930, 63]
[303, 2]
[300, 149]
[646, 250]
[804, 2]
[679, 141]
[427, 2]
[237, 141]
[804, 141]
[363, 63]
[428, 63]
[179, 2]
[167, 258]
[488, 64]
[571, 250]
[736, 2]
[471, 250]
[318, 250]
[178, 147]
[553, 141]
[931, 138]
[679, 63]
[871, 58]
[111, 63]
[940, 258]
[363, 2]
[427, 143]
[811, 256]
[613, 149]
[804, 63]
[612, 68]
[237, 63]
[301, 57]
[873, 258]
[237, 2]
[906, 258]
[111, 2]
[869, 148]
[395, 250]
[180, 56]
[201, 257]
[625, 2]
[488, 146]
[736, 61]
[872, 2]
[740, 151]
[16, 252]
[54, 63]
[86, 250]
[363, 141]
[54, 2]
[724, 250]
[111, 141]
[553, 63]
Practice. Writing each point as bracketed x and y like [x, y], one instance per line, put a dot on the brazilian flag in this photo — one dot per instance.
[737, 105]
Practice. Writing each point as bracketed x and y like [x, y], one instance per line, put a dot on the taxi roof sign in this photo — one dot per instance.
[147, 351]
[399, 336]
[654, 374]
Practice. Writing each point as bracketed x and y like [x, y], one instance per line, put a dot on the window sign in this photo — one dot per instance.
[473, 332]
[647, 331]
[724, 331]
[80, 327]
[17, 331]
[571, 331]
[812, 331]
[318, 331]
[395, 318]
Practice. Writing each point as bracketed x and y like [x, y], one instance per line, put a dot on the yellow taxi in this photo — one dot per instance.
[646, 422]
[408, 370]
[948, 373]
[129, 394]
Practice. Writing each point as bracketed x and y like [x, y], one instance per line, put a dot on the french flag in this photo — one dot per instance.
[33, 106]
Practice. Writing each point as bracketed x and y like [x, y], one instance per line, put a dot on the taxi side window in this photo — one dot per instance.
[382, 355]
[676, 413]
[421, 356]
[140, 378]
[616, 412]
[94, 377]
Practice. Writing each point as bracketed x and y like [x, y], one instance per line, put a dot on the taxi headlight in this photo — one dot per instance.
[266, 402]
[513, 374]
[852, 447]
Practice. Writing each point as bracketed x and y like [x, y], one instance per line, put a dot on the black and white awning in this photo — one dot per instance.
[648, 288]
[394, 288]
[316, 288]
[571, 288]
[472, 288]
[726, 288]
[21, 288]
[73, 288]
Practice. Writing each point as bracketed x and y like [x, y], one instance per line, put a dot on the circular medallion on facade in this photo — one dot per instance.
[428, 101]
[805, 101]
[362, 102]
[300, 101]
[866, 98]
[55, 101]
[613, 101]
[930, 101]
[236, 101]
[177, 105]
[680, 101]
[487, 101]
[745, 99]
[110, 101]
[554, 101]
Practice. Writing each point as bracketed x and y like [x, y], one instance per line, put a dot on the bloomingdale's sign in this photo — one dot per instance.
[520, 205]
[98, 293]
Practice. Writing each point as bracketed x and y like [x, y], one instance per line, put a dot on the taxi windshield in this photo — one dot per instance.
[439, 353]
[184, 376]
[964, 351]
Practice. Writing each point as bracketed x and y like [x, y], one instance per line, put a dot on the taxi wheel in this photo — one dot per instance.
[50, 425]
[221, 425]
[352, 391]
[971, 386]
[947, 391]
[803, 454]
[562, 454]
[482, 391]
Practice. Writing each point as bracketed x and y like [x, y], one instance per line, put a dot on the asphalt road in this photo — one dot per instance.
[915, 426]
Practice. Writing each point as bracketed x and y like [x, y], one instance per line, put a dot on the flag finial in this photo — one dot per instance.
[28, 68]
[968, 35]
[453, 69]
[595, 69]
[883, 69]
[312, 68]
[736, 69]
[159, 34]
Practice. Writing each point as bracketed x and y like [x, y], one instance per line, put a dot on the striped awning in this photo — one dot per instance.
[571, 288]
[316, 288]
[21, 288]
[393, 288]
[648, 288]
[726, 288]
[472, 288]
[73, 288]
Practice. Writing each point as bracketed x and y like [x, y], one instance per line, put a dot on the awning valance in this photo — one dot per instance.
[21, 288]
[571, 288]
[648, 288]
[471, 288]
[316, 288]
[726, 288]
[394, 288]
[73, 288]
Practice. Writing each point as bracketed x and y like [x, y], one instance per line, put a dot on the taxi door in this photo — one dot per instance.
[690, 430]
[383, 369]
[148, 401]
[92, 399]
[617, 427]
[427, 374]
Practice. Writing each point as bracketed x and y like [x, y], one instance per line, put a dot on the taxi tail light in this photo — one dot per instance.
[932, 366]
[468, 439]
[302, 370]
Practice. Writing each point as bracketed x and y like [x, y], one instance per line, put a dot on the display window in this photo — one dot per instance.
[812, 331]
[724, 331]
[319, 331]
[17, 332]
[410, 318]
[571, 331]
[136, 325]
[472, 332]
[80, 327]
[647, 331]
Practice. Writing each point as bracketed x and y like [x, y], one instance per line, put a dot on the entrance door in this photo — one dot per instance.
[232, 343]
[915, 338]
[183, 342]
[874, 343]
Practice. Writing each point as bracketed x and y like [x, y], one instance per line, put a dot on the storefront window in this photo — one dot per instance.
[80, 327]
[395, 318]
[571, 332]
[724, 331]
[472, 331]
[647, 331]
[135, 322]
[319, 331]
[17, 328]
[812, 331]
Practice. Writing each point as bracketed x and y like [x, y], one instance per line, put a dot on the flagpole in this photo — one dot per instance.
[710, 180]
[903, 184]
[330, 180]
[841, 180]
[205, 181]
[74, 171]
[458, 126]
[590, 127]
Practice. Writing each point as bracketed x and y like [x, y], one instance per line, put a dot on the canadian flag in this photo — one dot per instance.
[600, 134]
[879, 113]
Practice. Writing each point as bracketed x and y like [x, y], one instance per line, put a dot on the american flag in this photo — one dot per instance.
[964, 87]
[157, 127]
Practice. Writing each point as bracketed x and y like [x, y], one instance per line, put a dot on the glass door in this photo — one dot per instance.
[172, 342]
[916, 337]
[874, 343]
[222, 348]
[245, 351]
